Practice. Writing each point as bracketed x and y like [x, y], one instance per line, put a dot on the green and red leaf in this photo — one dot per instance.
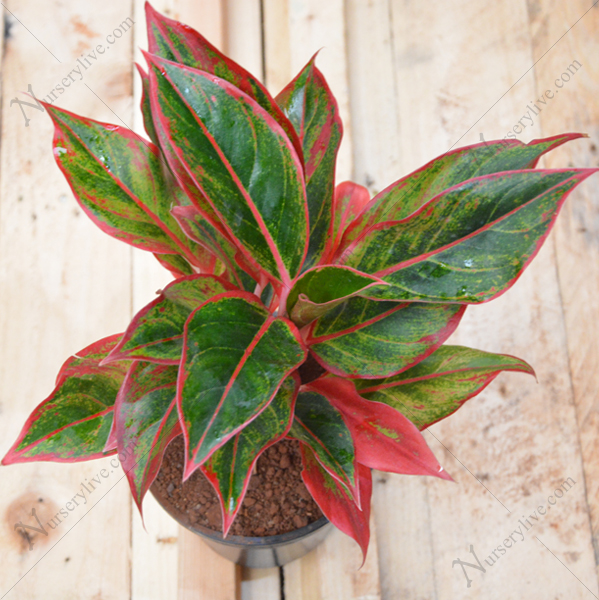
[230, 468]
[74, 422]
[146, 421]
[156, 332]
[491, 228]
[319, 425]
[440, 384]
[229, 372]
[320, 289]
[198, 229]
[365, 338]
[411, 192]
[383, 437]
[120, 182]
[312, 109]
[181, 44]
[336, 502]
[221, 142]
[175, 264]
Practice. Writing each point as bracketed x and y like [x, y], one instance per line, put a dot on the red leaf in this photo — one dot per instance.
[335, 501]
[384, 438]
[349, 201]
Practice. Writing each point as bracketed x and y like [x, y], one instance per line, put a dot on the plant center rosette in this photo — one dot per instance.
[274, 266]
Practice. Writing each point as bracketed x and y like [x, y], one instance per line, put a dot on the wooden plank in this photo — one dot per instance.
[243, 34]
[373, 94]
[572, 66]
[64, 285]
[260, 584]
[456, 61]
[332, 571]
[277, 50]
[316, 25]
[204, 573]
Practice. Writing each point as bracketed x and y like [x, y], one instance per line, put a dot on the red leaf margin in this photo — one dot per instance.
[404, 451]
[227, 517]
[335, 502]
[190, 467]
[69, 369]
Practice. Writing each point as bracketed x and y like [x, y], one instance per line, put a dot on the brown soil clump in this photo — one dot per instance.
[277, 501]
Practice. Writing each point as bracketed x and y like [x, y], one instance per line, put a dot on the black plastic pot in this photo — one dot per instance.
[255, 552]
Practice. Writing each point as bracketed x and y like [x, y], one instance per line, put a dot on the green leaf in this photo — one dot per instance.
[236, 356]
[121, 183]
[240, 159]
[437, 386]
[320, 289]
[182, 44]
[73, 423]
[319, 425]
[198, 229]
[370, 339]
[156, 332]
[312, 109]
[230, 467]
[146, 422]
[407, 195]
[491, 228]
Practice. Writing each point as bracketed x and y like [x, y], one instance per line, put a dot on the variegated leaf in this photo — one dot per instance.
[437, 386]
[230, 467]
[491, 228]
[229, 372]
[336, 502]
[384, 438]
[146, 421]
[318, 424]
[251, 178]
[182, 44]
[121, 182]
[156, 332]
[369, 339]
[407, 195]
[312, 109]
[73, 423]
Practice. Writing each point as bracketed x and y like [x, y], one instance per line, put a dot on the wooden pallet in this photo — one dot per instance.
[412, 80]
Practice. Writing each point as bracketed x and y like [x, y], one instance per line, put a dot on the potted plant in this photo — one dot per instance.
[301, 314]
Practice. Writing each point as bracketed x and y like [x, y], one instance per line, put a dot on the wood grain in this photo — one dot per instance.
[509, 449]
[412, 81]
[570, 69]
[51, 306]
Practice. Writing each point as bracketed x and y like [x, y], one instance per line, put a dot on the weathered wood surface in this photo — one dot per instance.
[412, 80]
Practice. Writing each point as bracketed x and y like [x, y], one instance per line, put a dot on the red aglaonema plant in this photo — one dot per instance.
[298, 309]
